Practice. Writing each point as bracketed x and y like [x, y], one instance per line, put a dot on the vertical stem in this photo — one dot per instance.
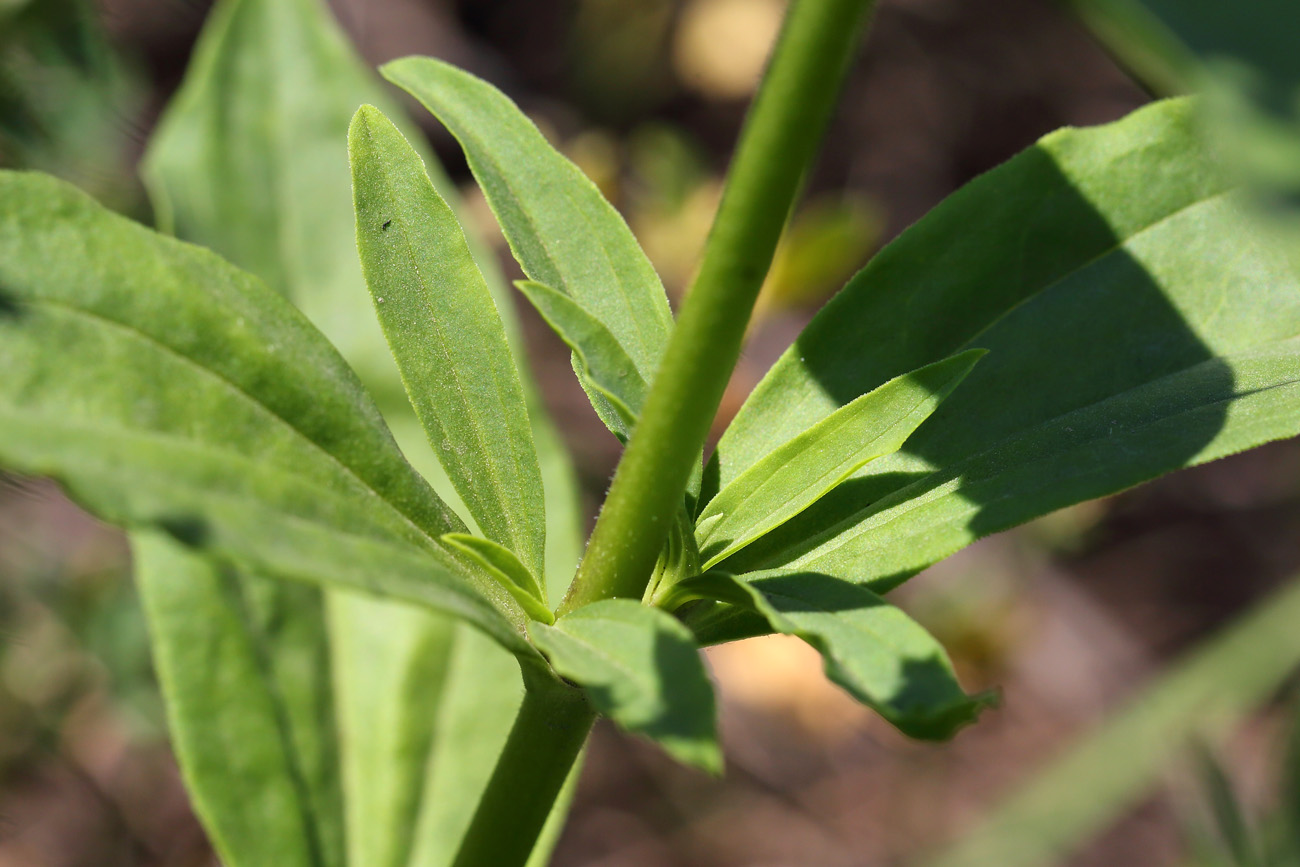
[779, 141]
[547, 737]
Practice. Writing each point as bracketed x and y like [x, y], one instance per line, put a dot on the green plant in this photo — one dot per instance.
[1096, 312]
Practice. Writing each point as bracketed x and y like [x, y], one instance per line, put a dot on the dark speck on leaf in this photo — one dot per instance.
[387, 223]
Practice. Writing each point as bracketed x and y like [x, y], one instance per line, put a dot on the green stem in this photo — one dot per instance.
[547, 737]
[779, 141]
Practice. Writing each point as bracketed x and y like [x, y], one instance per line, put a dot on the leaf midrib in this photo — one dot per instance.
[518, 534]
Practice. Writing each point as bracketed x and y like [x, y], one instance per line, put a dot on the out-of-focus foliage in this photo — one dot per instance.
[67, 101]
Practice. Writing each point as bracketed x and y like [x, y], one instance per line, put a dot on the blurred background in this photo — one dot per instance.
[1074, 617]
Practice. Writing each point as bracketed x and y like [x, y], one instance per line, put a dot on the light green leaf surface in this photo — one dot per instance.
[447, 337]
[504, 567]
[603, 363]
[639, 667]
[253, 714]
[251, 159]
[207, 429]
[562, 231]
[1096, 780]
[885, 659]
[802, 471]
[1134, 322]
[388, 666]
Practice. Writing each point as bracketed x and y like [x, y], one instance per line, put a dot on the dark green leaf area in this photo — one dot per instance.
[447, 337]
[641, 668]
[1135, 323]
[165, 388]
[239, 674]
[798, 473]
[872, 649]
[562, 231]
[601, 362]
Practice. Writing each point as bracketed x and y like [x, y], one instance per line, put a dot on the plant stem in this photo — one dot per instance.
[779, 141]
[547, 737]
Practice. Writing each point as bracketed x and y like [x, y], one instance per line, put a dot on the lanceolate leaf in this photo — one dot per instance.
[803, 470]
[562, 231]
[1134, 326]
[251, 159]
[604, 363]
[266, 701]
[205, 427]
[447, 337]
[880, 655]
[640, 667]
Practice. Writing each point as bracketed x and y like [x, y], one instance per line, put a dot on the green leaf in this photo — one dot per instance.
[881, 656]
[603, 362]
[505, 568]
[250, 160]
[203, 425]
[237, 672]
[802, 471]
[639, 667]
[1135, 325]
[389, 667]
[447, 337]
[1106, 771]
[266, 106]
[562, 231]
[1234, 832]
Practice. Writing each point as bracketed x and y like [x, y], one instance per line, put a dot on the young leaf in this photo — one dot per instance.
[446, 336]
[881, 656]
[562, 231]
[640, 667]
[1134, 324]
[236, 671]
[605, 364]
[228, 421]
[1097, 779]
[505, 568]
[797, 474]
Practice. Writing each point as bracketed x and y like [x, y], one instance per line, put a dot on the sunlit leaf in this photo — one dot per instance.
[881, 656]
[639, 667]
[798, 473]
[447, 337]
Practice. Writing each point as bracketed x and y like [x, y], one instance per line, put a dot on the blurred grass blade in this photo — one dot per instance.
[447, 338]
[562, 231]
[796, 474]
[604, 363]
[872, 649]
[1234, 832]
[500, 563]
[1134, 324]
[1098, 778]
[224, 651]
[639, 667]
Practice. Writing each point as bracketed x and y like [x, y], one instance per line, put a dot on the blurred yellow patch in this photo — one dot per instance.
[781, 675]
[721, 46]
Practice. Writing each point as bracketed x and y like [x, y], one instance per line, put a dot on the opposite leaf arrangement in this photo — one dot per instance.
[1091, 314]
